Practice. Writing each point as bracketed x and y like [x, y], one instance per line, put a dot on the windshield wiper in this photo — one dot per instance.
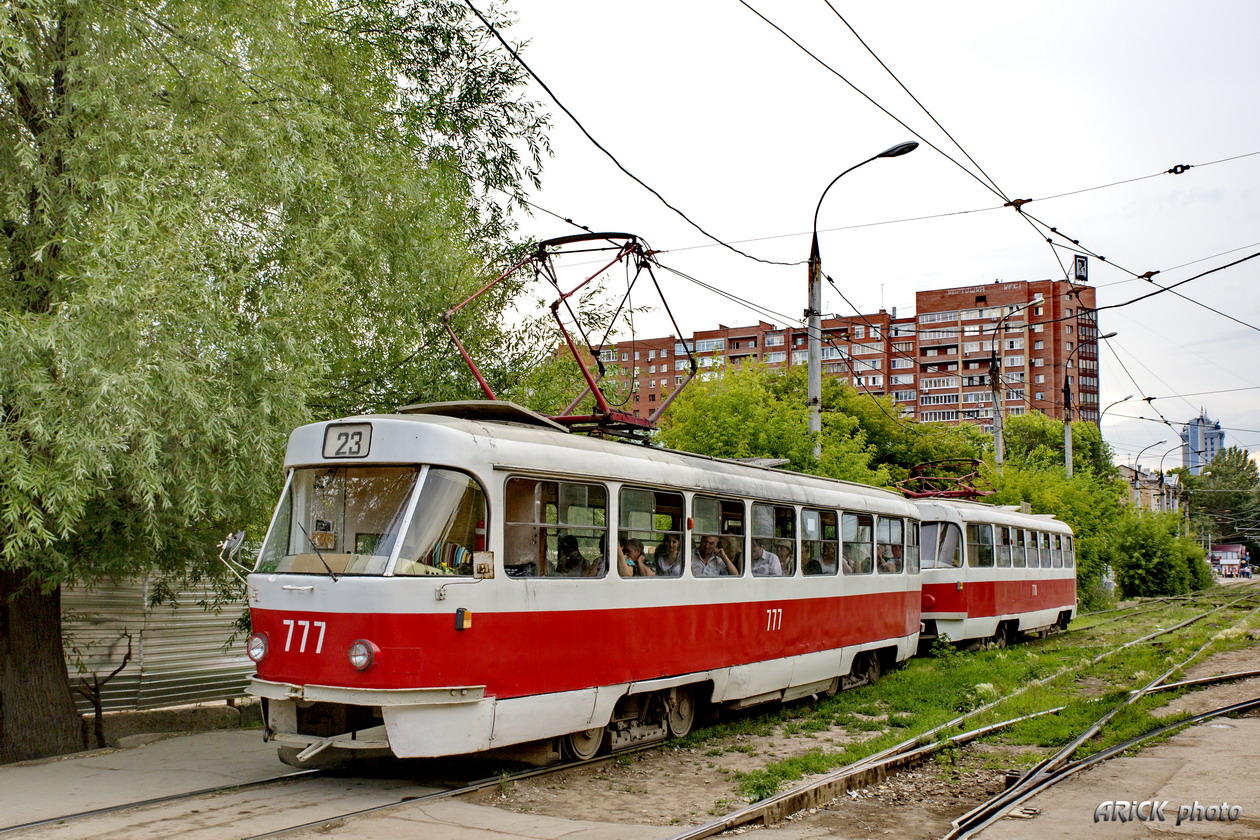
[311, 543]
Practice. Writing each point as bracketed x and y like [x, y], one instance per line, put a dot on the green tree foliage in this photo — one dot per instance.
[216, 220]
[1035, 439]
[895, 443]
[1225, 499]
[755, 411]
[1152, 560]
[1091, 504]
[759, 412]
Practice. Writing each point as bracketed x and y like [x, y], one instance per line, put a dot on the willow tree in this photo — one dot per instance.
[216, 219]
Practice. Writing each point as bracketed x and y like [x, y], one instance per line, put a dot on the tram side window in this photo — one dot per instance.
[912, 547]
[1043, 548]
[717, 537]
[555, 529]
[820, 538]
[979, 545]
[1069, 550]
[339, 519]
[1056, 550]
[890, 539]
[448, 525]
[1019, 547]
[773, 540]
[942, 546]
[858, 533]
[1002, 545]
[650, 533]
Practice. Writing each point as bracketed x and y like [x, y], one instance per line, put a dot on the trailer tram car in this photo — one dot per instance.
[993, 574]
[466, 577]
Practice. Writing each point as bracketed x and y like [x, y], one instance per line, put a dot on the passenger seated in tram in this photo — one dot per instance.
[668, 556]
[571, 563]
[825, 564]
[710, 559]
[631, 560]
[786, 552]
[890, 559]
[765, 562]
[857, 559]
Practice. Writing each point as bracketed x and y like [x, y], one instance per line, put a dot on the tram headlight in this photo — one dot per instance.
[256, 647]
[362, 654]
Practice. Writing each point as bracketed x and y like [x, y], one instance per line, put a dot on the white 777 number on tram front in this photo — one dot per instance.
[306, 632]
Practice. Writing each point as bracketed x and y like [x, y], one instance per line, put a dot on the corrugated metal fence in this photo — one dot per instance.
[178, 652]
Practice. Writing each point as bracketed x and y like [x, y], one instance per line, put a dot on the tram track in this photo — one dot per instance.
[1059, 766]
[859, 774]
[875, 768]
[146, 819]
[157, 800]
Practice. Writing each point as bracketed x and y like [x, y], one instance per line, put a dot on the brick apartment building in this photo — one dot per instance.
[935, 364]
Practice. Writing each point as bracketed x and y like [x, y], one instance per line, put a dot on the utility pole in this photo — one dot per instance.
[995, 383]
[813, 317]
[1067, 426]
[814, 312]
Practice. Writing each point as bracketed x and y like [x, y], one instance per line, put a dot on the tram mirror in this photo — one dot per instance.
[230, 548]
[483, 565]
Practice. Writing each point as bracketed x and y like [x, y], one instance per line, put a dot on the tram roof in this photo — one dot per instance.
[521, 436]
[969, 511]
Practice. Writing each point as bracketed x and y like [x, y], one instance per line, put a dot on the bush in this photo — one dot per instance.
[1151, 560]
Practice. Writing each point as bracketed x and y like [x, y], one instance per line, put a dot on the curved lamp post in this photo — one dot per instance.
[1111, 406]
[1161, 473]
[1067, 402]
[814, 312]
[1137, 466]
[1101, 414]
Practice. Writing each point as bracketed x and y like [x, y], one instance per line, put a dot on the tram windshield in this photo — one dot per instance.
[343, 520]
[349, 520]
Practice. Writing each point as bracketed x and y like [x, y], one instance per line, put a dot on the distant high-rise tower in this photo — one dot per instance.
[1201, 439]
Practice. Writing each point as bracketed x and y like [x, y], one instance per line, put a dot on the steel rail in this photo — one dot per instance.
[964, 828]
[875, 767]
[158, 800]
[464, 790]
[1044, 772]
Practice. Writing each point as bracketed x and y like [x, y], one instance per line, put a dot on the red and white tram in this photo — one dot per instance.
[991, 573]
[469, 576]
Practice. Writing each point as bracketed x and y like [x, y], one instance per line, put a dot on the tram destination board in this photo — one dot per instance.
[347, 440]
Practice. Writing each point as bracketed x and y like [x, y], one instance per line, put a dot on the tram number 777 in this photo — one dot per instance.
[774, 619]
[306, 632]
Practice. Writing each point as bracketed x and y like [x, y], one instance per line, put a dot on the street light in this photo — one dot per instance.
[1111, 406]
[1137, 465]
[814, 312]
[1067, 402]
[1161, 474]
[995, 381]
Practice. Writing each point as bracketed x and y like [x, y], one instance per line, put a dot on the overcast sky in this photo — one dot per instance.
[741, 130]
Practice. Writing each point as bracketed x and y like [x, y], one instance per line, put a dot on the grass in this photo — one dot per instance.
[930, 691]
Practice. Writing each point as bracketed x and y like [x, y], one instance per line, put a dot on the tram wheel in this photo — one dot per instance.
[580, 746]
[682, 712]
[873, 669]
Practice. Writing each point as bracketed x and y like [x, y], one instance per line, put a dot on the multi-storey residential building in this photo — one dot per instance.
[1035, 338]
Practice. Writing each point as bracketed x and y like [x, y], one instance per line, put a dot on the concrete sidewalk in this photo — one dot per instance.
[40, 790]
[1211, 765]
[37, 790]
